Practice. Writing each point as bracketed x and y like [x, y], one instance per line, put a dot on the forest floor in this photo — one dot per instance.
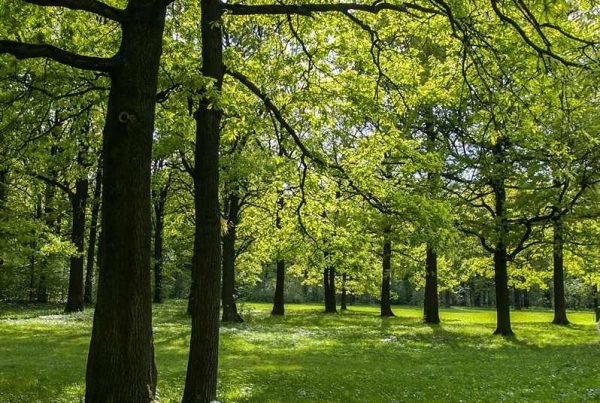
[308, 356]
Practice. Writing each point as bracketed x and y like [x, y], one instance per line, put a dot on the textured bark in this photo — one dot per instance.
[230, 313]
[91, 251]
[560, 305]
[431, 303]
[78, 200]
[343, 300]
[278, 298]
[386, 304]
[201, 379]
[120, 366]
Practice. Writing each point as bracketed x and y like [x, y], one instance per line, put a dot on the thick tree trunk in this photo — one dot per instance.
[91, 251]
[278, 298]
[386, 304]
[230, 313]
[201, 379]
[431, 304]
[75, 301]
[503, 326]
[120, 365]
[560, 305]
[343, 301]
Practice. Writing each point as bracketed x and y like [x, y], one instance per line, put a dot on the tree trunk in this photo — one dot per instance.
[560, 305]
[159, 217]
[78, 206]
[329, 290]
[447, 299]
[517, 299]
[50, 220]
[230, 313]
[386, 304]
[343, 305]
[431, 304]
[525, 299]
[120, 365]
[201, 378]
[278, 298]
[503, 326]
[89, 270]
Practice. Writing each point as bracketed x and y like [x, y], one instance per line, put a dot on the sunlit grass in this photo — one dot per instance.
[309, 356]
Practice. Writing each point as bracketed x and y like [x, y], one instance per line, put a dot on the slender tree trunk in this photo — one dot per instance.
[91, 251]
[560, 305]
[159, 219]
[595, 303]
[230, 313]
[201, 379]
[525, 299]
[3, 212]
[329, 290]
[120, 366]
[518, 299]
[278, 298]
[78, 206]
[431, 304]
[343, 305]
[447, 299]
[50, 220]
[386, 304]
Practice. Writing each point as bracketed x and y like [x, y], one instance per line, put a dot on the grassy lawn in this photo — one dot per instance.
[309, 356]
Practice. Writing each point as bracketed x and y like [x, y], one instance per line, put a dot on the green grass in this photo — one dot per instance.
[312, 357]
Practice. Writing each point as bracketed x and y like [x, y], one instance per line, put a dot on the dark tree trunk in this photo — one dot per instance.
[201, 378]
[329, 290]
[447, 299]
[503, 326]
[431, 304]
[517, 299]
[159, 201]
[50, 220]
[560, 305]
[278, 298]
[230, 313]
[525, 299]
[91, 251]
[343, 302]
[78, 206]
[120, 365]
[386, 304]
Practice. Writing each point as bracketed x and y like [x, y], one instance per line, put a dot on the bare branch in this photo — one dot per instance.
[309, 9]
[30, 51]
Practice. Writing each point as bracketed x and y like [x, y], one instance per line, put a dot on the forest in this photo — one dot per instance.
[297, 200]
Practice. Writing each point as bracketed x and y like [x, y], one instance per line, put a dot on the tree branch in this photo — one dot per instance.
[309, 9]
[92, 6]
[31, 51]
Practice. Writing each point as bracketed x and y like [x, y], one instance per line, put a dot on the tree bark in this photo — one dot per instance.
[386, 304]
[278, 298]
[201, 378]
[560, 305]
[120, 366]
[91, 251]
[79, 198]
[431, 303]
[230, 313]
[503, 325]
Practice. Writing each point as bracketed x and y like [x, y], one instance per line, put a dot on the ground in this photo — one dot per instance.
[308, 356]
